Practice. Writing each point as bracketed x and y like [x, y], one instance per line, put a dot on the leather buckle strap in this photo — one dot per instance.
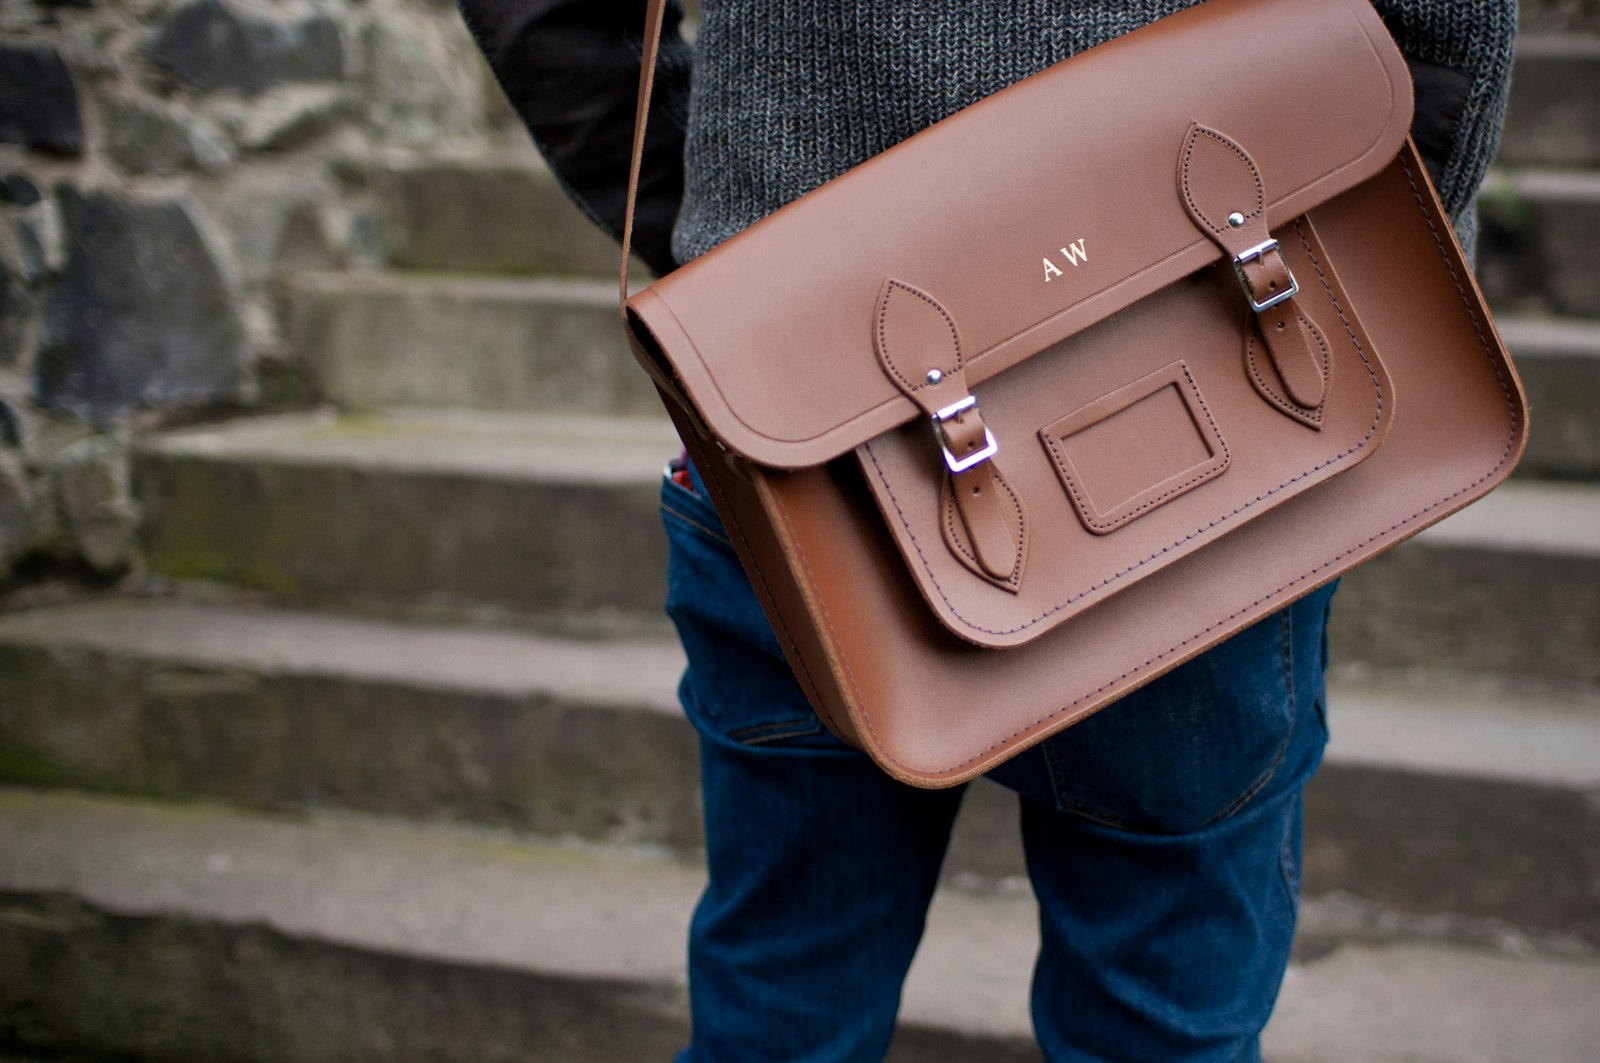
[650, 44]
[1254, 254]
[1225, 195]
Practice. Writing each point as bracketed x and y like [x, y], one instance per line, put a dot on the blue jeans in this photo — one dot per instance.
[1162, 839]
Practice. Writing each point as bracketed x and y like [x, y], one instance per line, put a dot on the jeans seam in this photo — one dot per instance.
[1053, 773]
[1094, 814]
[761, 733]
[1321, 704]
[1286, 664]
[707, 531]
[1066, 801]
[1291, 889]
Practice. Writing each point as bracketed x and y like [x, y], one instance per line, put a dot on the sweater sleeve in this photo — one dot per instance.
[1460, 53]
[571, 70]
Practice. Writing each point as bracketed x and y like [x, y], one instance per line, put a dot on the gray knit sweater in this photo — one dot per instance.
[786, 95]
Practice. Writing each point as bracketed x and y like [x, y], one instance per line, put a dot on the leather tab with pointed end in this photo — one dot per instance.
[1264, 375]
[1222, 190]
[984, 525]
[919, 348]
[1299, 353]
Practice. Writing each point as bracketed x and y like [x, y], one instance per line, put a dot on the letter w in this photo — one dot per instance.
[1075, 253]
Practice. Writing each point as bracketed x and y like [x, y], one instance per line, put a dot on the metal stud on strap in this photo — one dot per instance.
[1256, 252]
[950, 412]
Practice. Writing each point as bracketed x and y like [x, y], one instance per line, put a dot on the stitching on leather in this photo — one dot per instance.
[1064, 464]
[1377, 418]
[814, 695]
[950, 530]
[970, 553]
[1477, 326]
[1299, 413]
[1266, 389]
[1309, 575]
[883, 336]
[1022, 531]
[1255, 174]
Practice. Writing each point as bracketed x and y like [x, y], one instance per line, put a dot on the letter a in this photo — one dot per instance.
[1050, 270]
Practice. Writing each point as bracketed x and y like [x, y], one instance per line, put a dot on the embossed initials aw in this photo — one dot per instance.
[1074, 253]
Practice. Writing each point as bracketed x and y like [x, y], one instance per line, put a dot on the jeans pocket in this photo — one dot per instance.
[686, 504]
[738, 686]
[1194, 746]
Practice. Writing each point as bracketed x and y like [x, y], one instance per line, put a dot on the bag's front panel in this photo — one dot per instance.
[934, 709]
[1135, 444]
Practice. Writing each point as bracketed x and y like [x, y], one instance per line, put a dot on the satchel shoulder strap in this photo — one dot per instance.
[655, 13]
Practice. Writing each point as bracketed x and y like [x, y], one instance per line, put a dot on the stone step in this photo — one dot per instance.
[1579, 17]
[423, 513]
[203, 934]
[1554, 115]
[282, 710]
[1559, 362]
[553, 521]
[486, 216]
[1445, 799]
[1433, 801]
[371, 340]
[1537, 250]
[1510, 586]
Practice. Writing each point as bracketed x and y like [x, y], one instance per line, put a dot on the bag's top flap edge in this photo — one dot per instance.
[770, 334]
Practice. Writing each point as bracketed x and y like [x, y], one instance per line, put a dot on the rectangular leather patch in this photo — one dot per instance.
[1143, 444]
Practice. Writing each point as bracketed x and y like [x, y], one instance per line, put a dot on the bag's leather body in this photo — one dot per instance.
[1081, 255]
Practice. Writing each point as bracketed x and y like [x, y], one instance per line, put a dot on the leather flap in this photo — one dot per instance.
[1029, 216]
[1134, 444]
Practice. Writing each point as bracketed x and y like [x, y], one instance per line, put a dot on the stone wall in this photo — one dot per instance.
[161, 162]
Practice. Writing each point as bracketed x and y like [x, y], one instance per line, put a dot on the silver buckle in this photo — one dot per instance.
[1256, 252]
[955, 464]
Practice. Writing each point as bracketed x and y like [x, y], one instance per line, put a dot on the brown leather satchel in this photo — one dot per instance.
[1083, 379]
